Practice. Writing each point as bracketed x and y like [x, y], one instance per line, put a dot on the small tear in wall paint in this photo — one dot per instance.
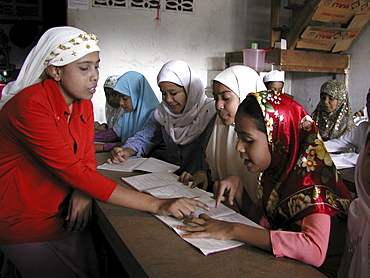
[78, 4]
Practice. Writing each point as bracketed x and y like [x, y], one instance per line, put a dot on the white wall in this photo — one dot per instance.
[359, 73]
[129, 39]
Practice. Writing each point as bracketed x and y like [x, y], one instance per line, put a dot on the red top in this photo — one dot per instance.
[42, 158]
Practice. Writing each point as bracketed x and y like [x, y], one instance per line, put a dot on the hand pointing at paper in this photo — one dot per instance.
[120, 155]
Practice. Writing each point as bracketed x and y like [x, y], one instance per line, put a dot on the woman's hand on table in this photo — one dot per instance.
[199, 178]
[179, 208]
[207, 227]
[120, 155]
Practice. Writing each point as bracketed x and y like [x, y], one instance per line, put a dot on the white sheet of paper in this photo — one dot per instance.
[127, 166]
[150, 164]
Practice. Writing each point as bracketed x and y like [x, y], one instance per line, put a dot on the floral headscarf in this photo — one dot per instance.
[301, 179]
[340, 121]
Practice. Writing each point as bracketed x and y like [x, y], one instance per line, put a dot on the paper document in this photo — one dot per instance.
[150, 164]
[165, 185]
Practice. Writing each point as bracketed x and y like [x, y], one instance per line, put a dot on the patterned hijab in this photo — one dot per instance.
[301, 179]
[144, 101]
[340, 121]
[58, 46]
[186, 126]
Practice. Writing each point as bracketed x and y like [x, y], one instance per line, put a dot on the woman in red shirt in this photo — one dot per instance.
[47, 161]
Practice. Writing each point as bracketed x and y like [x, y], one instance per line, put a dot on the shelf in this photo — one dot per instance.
[298, 60]
[307, 61]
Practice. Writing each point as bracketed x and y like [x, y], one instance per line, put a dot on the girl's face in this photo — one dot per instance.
[174, 96]
[252, 144]
[365, 164]
[126, 103]
[329, 103]
[227, 103]
[277, 86]
[113, 97]
[78, 80]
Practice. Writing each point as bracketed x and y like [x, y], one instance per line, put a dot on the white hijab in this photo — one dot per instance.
[222, 157]
[356, 259]
[58, 46]
[199, 110]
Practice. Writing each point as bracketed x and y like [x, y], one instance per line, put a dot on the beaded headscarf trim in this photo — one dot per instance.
[73, 50]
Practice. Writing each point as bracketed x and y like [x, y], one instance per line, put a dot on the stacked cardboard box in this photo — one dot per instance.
[353, 13]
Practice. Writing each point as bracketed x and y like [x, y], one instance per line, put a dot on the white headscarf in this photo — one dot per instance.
[222, 157]
[199, 110]
[356, 259]
[274, 76]
[112, 114]
[58, 46]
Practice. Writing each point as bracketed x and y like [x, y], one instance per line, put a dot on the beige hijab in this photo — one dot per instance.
[222, 157]
[199, 110]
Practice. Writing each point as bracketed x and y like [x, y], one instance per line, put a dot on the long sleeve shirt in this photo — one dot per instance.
[344, 150]
[153, 140]
[320, 242]
[42, 158]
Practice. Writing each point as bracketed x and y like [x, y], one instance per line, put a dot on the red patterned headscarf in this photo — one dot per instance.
[302, 178]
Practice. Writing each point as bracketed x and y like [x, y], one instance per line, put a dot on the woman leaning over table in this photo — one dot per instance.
[47, 162]
[180, 128]
[303, 198]
[229, 88]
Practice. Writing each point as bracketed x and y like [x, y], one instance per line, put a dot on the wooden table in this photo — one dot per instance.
[148, 248]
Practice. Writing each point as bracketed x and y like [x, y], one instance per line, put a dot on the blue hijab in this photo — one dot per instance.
[144, 101]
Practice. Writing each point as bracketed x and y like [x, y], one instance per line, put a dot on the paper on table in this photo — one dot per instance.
[164, 185]
[150, 164]
[207, 245]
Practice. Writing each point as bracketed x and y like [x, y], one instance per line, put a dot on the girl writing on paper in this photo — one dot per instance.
[229, 87]
[333, 113]
[138, 101]
[179, 130]
[47, 162]
[303, 199]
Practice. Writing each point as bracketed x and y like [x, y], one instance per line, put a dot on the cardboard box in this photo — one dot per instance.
[333, 39]
[363, 7]
[316, 44]
[341, 5]
[324, 33]
[359, 21]
[336, 10]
